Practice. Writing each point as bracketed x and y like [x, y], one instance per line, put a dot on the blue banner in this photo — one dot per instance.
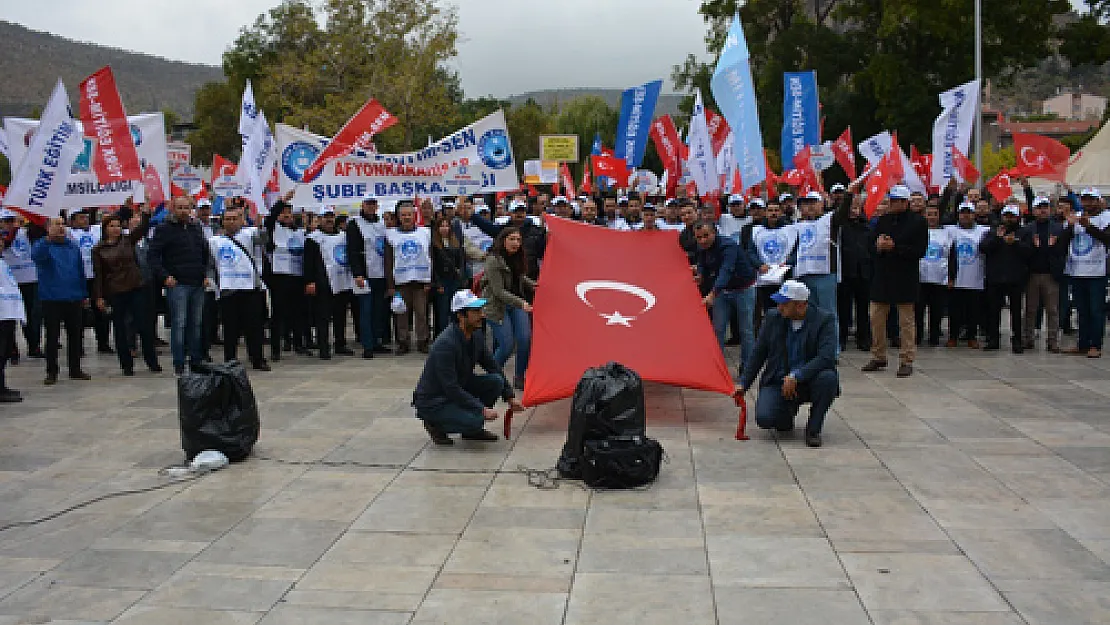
[637, 111]
[734, 91]
[801, 115]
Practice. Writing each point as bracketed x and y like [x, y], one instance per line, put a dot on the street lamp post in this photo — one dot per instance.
[979, 77]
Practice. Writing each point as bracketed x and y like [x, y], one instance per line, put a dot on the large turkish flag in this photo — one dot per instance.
[606, 295]
[1041, 157]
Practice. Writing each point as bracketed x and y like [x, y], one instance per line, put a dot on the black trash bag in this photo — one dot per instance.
[217, 410]
[621, 462]
[608, 401]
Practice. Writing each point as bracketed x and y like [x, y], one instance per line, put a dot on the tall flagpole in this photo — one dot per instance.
[979, 77]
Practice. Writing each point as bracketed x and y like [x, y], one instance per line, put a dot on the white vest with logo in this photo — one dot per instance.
[412, 260]
[814, 246]
[730, 226]
[234, 269]
[1087, 256]
[86, 240]
[933, 267]
[971, 264]
[18, 258]
[373, 242]
[11, 301]
[288, 257]
[773, 247]
[333, 251]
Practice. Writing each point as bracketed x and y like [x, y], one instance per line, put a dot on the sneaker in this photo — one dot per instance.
[482, 435]
[813, 439]
[439, 437]
[51, 379]
[905, 370]
[874, 365]
[79, 375]
[8, 396]
[368, 354]
[262, 366]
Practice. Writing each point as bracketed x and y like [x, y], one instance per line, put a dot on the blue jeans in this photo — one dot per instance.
[373, 315]
[1090, 302]
[186, 306]
[514, 331]
[441, 302]
[455, 419]
[822, 294]
[772, 410]
[742, 305]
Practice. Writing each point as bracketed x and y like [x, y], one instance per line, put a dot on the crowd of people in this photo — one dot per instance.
[297, 281]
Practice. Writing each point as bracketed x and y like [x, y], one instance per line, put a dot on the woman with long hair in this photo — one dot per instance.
[118, 289]
[448, 269]
[508, 290]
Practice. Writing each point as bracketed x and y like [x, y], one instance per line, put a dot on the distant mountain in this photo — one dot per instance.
[668, 102]
[31, 63]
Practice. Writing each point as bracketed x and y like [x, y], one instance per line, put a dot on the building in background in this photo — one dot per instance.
[1075, 106]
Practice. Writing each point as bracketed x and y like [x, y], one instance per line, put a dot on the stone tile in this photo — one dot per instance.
[929, 583]
[151, 615]
[632, 555]
[1094, 459]
[391, 549]
[432, 510]
[274, 542]
[648, 524]
[326, 496]
[880, 516]
[764, 606]
[740, 560]
[299, 615]
[368, 577]
[905, 617]
[139, 570]
[536, 518]
[1015, 514]
[41, 601]
[390, 602]
[448, 606]
[1030, 554]
[515, 551]
[640, 600]
[218, 593]
[1061, 603]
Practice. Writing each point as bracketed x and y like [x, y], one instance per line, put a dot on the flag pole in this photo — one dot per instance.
[979, 77]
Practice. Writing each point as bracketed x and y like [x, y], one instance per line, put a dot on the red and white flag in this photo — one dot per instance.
[152, 183]
[114, 157]
[887, 174]
[668, 145]
[964, 167]
[1001, 186]
[845, 153]
[587, 184]
[619, 298]
[1041, 157]
[356, 134]
[610, 167]
[718, 130]
[568, 181]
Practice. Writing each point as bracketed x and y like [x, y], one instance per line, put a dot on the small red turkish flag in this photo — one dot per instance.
[964, 167]
[619, 297]
[845, 153]
[1041, 157]
[587, 184]
[1001, 186]
[357, 133]
[610, 167]
[886, 175]
[568, 181]
[152, 183]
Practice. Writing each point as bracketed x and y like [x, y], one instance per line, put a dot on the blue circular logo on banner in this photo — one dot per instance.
[340, 254]
[773, 247]
[933, 252]
[1082, 244]
[493, 149]
[965, 252]
[86, 242]
[296, 157]
[807, 237]
[227, 255]
[410, 249]
[136, 134]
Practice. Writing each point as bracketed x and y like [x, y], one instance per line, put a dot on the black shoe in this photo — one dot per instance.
[275, 356]
[1068, 331]
[36, 353]
[1018, 348]
[813, 439]
[990, 347]
[438, 435]
[262, 366]
[105, 349]
[8, 396]
[368, 354]
[895, 342]
[422, 347]
[905, 370]
[382, 349]
[161, 342]
[155, 368]
[79, 375]
[302, 351]
[482, 435]
[217, 341]
[51, 379]
[179, 370]
[128, 372]
[287, 347]
[934, 342]
[402, 350]
[874, 365]
[784, 428]
[325, 354]
[863, 347]
[733, 341]
[344, 351]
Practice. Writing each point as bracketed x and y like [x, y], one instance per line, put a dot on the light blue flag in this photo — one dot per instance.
[734, 91]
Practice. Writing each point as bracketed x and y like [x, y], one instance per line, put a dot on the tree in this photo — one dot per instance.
[585, 116]
[526, 123]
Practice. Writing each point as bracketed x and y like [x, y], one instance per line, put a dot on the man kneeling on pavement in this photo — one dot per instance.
[450, 398]
[797, 343]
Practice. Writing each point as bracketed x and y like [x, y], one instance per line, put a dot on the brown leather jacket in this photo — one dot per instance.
[115, 266]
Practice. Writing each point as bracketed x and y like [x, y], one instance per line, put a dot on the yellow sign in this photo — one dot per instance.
[559, 148]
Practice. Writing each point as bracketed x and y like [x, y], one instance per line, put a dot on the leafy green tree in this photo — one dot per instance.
[526, 123]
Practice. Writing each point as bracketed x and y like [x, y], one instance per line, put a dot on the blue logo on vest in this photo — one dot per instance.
[933, 252]
[20, 247]
[379, 246]
[410, 249]
[493, 149]
[295, 244]
[774, 247]
[86, 242]
[296, 157]
[807, 237]
[227, 255]
[340, 254]
[1082, 244]
[965, 252]
[136, 134]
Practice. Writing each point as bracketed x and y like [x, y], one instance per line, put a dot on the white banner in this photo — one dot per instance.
[256, 163]
[821, 156]
[875, 148]
[703, 169]
[178, 153]
[39, 183]
[953, 129]
[82, 188]
[474, 159]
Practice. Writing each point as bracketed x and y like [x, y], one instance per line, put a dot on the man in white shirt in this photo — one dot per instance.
[1087, 237]
[966, 278]
[732, 222]
[236, 270]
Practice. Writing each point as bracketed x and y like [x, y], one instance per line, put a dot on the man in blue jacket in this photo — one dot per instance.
[724, 265]
[178, 257]
[63, 292]
[449, 397]
[797, 343]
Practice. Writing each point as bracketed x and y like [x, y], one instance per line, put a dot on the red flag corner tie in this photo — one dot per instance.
[508, 424]
[742, 420]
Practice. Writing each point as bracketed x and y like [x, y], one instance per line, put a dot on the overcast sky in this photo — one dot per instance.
[507, 47]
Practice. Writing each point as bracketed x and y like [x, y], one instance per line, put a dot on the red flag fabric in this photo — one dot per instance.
[718, 130]
[357, 133]
[964, 166]
[202, 193]
[617, 296]
[845, 153]
[568, 181]
[886, 175]
[176, 191]
[610, 166]
[532, 191]
[587, 183]
[105, 122]
[772, 178]
[152, 182]
[1001, 186]
[668, 145]
[222, 167]
[1041, 157]
[803, 162]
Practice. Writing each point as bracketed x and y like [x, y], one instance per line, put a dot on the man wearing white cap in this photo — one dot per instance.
[1087, 236]
[1046, 266]
[967, 278]
[818, 252]
[1007, 271]
[796, 351]
[450, 398]
[899, 241]
[734, 220]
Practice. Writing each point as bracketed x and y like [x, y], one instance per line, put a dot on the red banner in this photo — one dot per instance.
[845, 153]
[618, 297]
[886, 175]
[357, 133]
[587, 184]
[610, 167]
[1041, 157]
[965, 168]
[668, 145]
[114, 157]
[1001, 186]
[718, 130]
[152, 182]
[568, 181]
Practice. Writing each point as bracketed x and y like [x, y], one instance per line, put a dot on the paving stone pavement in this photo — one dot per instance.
[976, 492]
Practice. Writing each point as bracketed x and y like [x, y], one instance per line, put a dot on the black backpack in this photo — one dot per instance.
[621, 461]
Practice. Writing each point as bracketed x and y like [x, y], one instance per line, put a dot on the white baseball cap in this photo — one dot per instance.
[1011, 209]
[735, 199]
[758, 202]
[1089, 192]
[785, 196]
[518, 205]
[7, 214]
[560, 199]
[966, 206]
[836, 188]
[466, 299]
[791, 291]
[1040, 199]
[813, 196]
[900, 192]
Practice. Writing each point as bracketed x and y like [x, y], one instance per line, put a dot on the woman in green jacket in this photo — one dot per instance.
[507, 290]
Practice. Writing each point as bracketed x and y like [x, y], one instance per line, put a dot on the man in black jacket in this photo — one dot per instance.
[450, 398]
[366, 242]
[1046, 266]
[726, 275]
[898, 242]
[1007, 270]
[534, 236]
[178, 258]
[855, 278]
